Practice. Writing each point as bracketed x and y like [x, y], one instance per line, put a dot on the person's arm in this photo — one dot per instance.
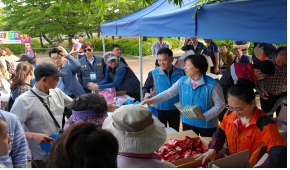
[183, 48]
[19, 147]
[75, 66]
[148, 84]
[218, 100]
[106, 80]
[166, 45]
[235, 44]
[117, 81]
[277, 147]
[215, 50]
[67, 100]
[167, 94]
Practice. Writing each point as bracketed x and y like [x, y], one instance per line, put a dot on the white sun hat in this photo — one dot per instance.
[136, 129]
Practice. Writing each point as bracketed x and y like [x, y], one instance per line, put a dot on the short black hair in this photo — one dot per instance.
[225, 45]
[243, 90]
[114, 46]
[81, 36]
[266, 67]
[199, 61]
[165, 51]
[53, 50]
[90, 101]
[279, 50]
[84, 145]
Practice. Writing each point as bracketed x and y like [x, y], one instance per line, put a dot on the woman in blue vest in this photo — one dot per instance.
[118, 75]
[196, 88]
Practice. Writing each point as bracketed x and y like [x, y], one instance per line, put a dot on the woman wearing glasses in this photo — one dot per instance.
[245, 126]
[93, 68]
[196, 89]
[30, 51]
[120, 76]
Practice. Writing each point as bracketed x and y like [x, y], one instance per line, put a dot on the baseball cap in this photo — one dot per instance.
[110, 56]
[27, 44]
[47, 69]
[26, 57]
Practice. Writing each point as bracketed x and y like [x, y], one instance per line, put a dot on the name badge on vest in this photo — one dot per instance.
[93, 76]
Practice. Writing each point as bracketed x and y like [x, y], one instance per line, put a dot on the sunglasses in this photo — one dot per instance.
[85, 50]
[112, 61]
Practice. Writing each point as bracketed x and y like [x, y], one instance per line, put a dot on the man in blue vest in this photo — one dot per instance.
[161, 79]
[92, 69]
[118, 75]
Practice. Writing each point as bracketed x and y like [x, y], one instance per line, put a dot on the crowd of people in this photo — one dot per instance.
[38, 101]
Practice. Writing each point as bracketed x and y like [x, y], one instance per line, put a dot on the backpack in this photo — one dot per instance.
[10, 67]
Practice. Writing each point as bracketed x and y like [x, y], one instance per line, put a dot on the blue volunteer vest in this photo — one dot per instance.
[162, 82]
[201, 96]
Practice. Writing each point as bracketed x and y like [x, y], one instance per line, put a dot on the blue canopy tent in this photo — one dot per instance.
[240, 20]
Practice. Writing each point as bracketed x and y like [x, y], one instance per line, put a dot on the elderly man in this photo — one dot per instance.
[41, 110]
[273, 87]
[240, 57]
[157, 46]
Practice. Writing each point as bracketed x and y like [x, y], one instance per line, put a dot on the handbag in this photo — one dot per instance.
[60, 130]
[10, 67]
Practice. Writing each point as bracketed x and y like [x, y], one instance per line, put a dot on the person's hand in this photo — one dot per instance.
[149, 95]
[216, 70]
[62, 50]
[93, 86]
[199, 116]
[148, 101]
[112, 107]
[263, 95]
[206, 157]
[41, 138]
[189, 43]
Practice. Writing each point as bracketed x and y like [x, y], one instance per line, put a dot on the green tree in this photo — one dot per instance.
[43, 18]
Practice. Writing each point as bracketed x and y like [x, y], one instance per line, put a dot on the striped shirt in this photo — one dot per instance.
[17, 154]
[276, 83]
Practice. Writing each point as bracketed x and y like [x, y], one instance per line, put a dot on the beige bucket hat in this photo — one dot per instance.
[136, 129]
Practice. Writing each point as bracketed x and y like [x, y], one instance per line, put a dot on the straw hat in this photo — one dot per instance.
[136, 129]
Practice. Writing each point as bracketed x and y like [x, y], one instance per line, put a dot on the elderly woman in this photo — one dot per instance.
[139, 135]
[194, 89]
[245, 126]
[90, 107]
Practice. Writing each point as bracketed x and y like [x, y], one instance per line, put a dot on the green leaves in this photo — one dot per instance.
[199, 4]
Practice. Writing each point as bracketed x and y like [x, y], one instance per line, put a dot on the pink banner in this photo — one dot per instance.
[14, 37]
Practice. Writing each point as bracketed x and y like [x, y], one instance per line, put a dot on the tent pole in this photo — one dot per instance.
[141, 69]
[104, 49]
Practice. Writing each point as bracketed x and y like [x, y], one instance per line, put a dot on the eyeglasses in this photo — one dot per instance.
[85, 50]
[56, 58]
[239, 110]
[112, 61]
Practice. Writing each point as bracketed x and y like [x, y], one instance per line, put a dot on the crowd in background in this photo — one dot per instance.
[38, 101]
